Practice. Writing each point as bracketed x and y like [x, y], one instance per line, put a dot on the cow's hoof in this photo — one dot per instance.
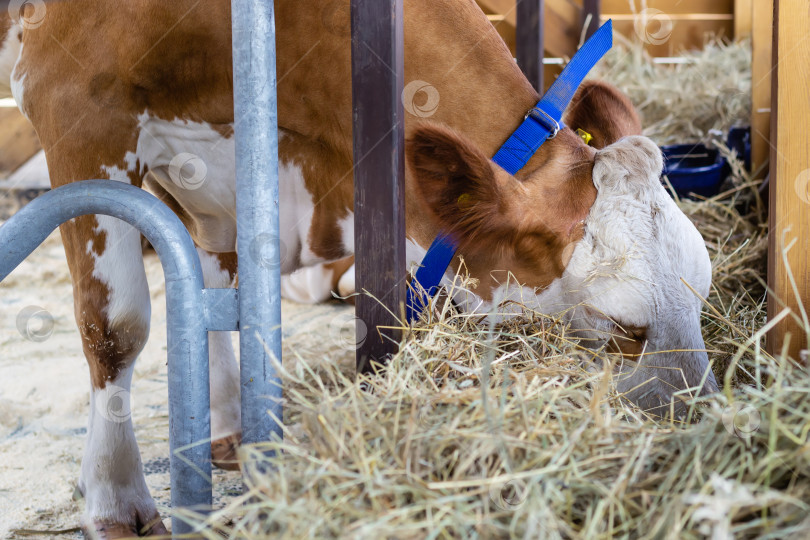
[155, 527]
[105, 530]
[223, 452]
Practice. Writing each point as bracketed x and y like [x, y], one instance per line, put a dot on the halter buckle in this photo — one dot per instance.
[545, 120]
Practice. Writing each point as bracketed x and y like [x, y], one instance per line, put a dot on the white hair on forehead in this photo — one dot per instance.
[621, 226]
[632, 165]
[638, 245]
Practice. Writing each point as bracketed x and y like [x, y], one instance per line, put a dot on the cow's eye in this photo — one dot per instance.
[637, 333]
[628, 339]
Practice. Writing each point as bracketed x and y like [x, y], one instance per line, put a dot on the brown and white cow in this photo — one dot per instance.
[135, 91]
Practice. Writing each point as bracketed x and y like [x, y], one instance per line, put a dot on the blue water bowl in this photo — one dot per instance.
[739, 140]
[694, 169]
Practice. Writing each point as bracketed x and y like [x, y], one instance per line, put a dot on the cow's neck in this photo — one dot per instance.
[449, 45]
[482, 92]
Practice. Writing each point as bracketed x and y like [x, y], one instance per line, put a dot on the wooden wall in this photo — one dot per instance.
[789, 257]
[18, 141]
[664, 27]
[671, 27]
[690, 20]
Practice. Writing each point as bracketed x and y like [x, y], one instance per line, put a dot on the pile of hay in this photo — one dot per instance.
[477, 431]
[683, 102]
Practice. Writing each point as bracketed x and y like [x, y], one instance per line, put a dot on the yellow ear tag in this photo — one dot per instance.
[585, 136]
[464, 201]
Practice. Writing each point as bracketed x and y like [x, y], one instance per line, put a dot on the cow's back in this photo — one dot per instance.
[170, 58]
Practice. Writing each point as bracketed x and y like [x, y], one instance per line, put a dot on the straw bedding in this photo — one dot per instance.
[513, 432]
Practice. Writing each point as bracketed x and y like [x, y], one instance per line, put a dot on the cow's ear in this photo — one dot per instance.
[456, 181]
[603, 111]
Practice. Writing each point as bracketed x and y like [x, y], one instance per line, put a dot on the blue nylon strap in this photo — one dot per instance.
[429, 275]
[541, 123]
[544, 120]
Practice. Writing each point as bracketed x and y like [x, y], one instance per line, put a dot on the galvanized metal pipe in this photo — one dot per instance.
[189, 406]
[258, 244]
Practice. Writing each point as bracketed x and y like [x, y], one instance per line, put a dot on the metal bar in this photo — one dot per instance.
[258, 245]
[378, 73]
[529, 38]
[221, 310]
[189, 407]
[594, 9]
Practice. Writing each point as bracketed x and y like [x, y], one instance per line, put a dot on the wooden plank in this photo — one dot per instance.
[722, 17]
[790, 175]
[668, 6]
[18, 140]
[743, 18]
[529, 37]
[687, 34]
[762, 63]
[378, 73]
[561, 26]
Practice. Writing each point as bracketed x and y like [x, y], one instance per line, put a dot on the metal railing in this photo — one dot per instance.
[254, 310]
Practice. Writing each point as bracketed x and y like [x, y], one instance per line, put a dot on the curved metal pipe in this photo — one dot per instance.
[189, 401]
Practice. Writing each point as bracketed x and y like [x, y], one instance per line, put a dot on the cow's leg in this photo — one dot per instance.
[112, 311]
[219, 271]
[317, 283]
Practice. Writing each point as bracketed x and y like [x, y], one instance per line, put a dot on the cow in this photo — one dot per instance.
[141, 93]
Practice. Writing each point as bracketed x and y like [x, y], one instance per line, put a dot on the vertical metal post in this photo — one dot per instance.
[258, 245]
[594, 9]
[529, 39]
[378, 72]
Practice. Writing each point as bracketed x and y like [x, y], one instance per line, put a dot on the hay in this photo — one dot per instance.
[681, 103]
[512, 432]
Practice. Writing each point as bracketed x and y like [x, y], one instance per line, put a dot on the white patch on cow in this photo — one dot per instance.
[131, 160]
[120, 267]
[414, 253]
[346, 225]
[112, 478]
[347, 284]
[226, 414]
[115, 173]
[10, 48]
[17, 83]
[313, 284]
[308, 285]
[211, 201]
[296, 208]
[464, 298]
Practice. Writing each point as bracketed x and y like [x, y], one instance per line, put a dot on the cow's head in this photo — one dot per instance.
[588, 231]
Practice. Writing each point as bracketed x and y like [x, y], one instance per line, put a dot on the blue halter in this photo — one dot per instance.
[542, 123]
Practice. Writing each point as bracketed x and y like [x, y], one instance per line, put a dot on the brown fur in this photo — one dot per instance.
[328, 178]
[522, 226]
[604, 112]
[5, 24]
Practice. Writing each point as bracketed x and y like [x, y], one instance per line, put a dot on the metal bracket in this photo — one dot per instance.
[545, 120]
